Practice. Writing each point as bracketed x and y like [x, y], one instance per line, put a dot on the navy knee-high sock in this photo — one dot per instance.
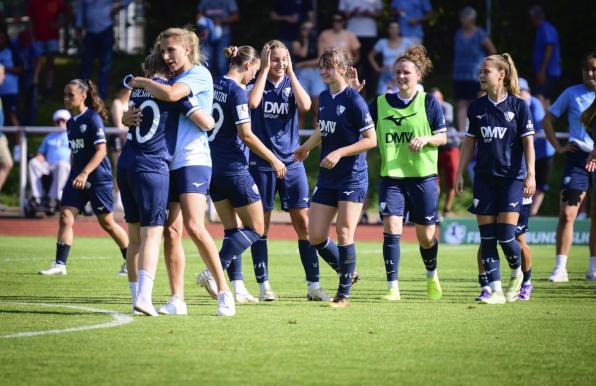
[236, 243]
[429, 256]
[391, 254]
[310, 260]
[260, 257]
[509, 244]
[347, 266]
[62, 251]
[329, 252]
[488, 251]
[483, 280]
[234, 270]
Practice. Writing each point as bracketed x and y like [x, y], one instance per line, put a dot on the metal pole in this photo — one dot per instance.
[23, 170]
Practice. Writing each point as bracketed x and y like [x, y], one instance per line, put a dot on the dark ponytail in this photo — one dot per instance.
[92, 98]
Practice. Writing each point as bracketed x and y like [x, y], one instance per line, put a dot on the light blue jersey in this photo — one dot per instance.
[192, 145]
[573, 101]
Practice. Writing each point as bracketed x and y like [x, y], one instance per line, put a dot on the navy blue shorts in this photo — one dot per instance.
[466, 89]
[418, 196]
[189, 179]
[240, 189]
[522, 221]
[144, 197]
[100, 197]
[330, 197]
[494, 195]
[293, 188]
[575, 175]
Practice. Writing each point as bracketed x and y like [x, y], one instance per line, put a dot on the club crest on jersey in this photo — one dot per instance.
[509, 115]
[340, 110]
[286, 91]
[83, 128]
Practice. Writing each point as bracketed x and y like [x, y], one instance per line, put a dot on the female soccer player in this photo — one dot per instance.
[521, 229]
[90, 176]
[588, 119]
[576, 180]
[143, 173]
[233, 190]
[276, 98]
[499, 124]
[344, 132]
[410, 127]
[190, 173]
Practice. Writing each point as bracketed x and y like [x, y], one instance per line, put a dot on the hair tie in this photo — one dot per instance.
[234, 51]
[127, 79]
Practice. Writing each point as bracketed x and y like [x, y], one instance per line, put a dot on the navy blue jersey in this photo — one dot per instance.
[342, 118]
[230, 108]
[275, 122]
[84, 132]
[434, 111]
[499, 129]
[153, 142]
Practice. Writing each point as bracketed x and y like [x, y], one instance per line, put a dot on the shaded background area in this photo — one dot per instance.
[510, 32]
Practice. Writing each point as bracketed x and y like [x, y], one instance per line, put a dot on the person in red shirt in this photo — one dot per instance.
[46, 18]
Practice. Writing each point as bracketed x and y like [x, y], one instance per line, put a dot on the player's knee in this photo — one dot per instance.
[172, 234]
[66, 219]
[105, 224]
[344, 236]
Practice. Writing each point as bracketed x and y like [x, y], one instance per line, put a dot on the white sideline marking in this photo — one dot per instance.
[119, 319]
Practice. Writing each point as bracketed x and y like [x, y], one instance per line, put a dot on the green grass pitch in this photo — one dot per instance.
[550, 340]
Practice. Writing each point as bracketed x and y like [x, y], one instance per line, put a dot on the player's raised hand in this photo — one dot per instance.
[353, 81]
[265, 57]
[290, 67]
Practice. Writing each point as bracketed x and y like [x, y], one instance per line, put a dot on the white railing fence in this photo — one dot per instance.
[24, 131]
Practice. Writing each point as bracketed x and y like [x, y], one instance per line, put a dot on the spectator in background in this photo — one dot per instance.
[97, 18]
[389, 48]
[53, 157]
[471, 45]
[361, 18]
[45, 18]
[340, 38]
[13, 67]
[5, 157]
[287, 14]
[546, 57]
[28, 81]
[224, 13]
[448, 153]
[306, 65]
[411, 14]
[9, 89]
[544, 150]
